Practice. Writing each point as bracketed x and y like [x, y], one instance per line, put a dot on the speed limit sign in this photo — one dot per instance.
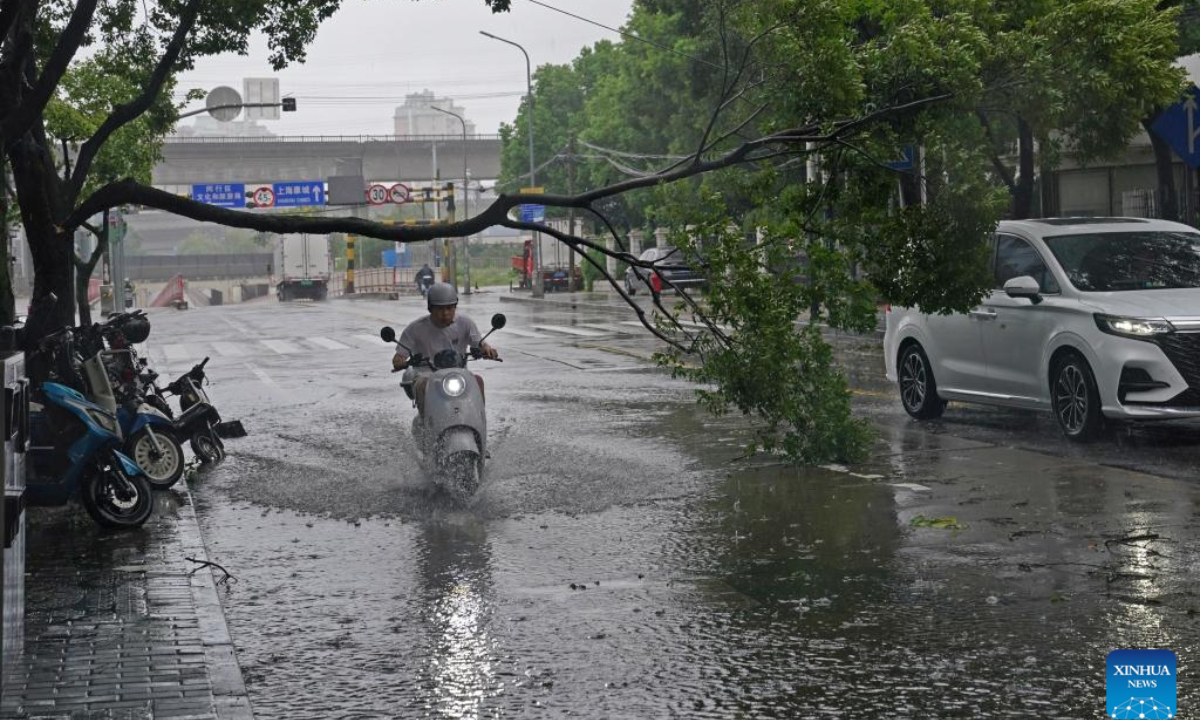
[377, 194]
[400, 193]
[264, 197]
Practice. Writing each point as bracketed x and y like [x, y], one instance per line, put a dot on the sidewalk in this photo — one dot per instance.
[121, 626]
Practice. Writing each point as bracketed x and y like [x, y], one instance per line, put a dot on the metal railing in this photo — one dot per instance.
[392, 281]
[217, 140]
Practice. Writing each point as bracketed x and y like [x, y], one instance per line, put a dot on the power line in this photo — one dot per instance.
[629, 35]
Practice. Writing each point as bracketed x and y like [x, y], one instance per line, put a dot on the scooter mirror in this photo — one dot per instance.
[499, 321]
[388, 334]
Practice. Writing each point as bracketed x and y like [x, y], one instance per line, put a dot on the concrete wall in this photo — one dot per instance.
[197, 267]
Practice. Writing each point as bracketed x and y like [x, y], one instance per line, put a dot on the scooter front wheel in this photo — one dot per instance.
[162, 465]
[207, 447]
[116, 499]
[466, 471]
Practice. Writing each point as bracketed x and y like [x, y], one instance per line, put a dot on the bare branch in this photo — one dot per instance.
[32, 104]
[130, 111]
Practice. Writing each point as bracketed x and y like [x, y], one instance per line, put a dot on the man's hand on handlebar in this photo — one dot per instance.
[487, 351]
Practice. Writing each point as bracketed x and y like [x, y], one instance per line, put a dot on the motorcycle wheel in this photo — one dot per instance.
[465, 470]
[163, 471]
[115, 499]
[207, 447]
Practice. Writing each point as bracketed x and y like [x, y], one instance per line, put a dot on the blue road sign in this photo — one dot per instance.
[907, 160]
[533, 213]
[299, 193]
[1177, 125]
[228, 195]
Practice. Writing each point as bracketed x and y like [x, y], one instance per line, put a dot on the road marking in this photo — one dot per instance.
[262, 376]
[374, 340]
[236, 326]
[569, 330]
[177, 352]
[281, 346]
[328, 344]
[229, 349]
[608, 328]
[522, 333]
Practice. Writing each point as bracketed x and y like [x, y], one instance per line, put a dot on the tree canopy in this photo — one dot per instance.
[759, 132]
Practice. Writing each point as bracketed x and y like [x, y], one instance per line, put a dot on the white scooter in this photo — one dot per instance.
[452, 433]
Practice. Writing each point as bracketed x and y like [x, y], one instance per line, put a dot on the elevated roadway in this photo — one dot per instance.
[188, 161]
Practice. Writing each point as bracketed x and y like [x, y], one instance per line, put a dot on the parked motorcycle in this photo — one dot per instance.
[75, 442]
[451, 435]
[150, 436]
[198, 419]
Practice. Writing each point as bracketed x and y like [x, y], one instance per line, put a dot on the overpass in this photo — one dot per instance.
[187, 161]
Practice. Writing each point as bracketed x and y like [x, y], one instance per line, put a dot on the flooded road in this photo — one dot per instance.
[618, 564]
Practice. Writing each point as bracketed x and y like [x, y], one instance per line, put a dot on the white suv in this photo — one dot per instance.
[1092, 318]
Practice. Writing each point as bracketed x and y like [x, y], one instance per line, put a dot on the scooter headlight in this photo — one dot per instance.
[105, 420]
[454, 385]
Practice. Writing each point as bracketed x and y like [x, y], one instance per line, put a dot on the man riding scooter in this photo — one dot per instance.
[442, 329]
[424, 279]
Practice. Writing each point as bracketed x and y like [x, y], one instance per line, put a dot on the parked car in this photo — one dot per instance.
[672, 266]
[1095, 319]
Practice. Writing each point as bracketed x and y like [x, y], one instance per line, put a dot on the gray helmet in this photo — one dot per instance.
[440, 295]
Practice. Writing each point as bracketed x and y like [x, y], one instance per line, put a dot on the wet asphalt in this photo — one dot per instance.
[620, 562]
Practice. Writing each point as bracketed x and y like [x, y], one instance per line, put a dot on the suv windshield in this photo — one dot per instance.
[1112, 262]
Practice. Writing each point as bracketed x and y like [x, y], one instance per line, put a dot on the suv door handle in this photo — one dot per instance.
[983, 314]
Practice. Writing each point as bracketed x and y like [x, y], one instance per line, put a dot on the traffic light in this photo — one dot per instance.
[289, 104]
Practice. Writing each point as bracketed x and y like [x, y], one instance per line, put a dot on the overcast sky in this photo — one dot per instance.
[373, 52]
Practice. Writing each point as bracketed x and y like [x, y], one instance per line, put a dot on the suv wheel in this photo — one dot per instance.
[918, 389]
[1075, 399]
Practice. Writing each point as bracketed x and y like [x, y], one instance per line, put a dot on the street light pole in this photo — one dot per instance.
[466, 198]
[538, 291]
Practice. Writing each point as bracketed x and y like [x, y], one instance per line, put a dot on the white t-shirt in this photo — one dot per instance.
[423, 337]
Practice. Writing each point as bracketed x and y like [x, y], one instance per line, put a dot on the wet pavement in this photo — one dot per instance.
[619, 563]
[122, 626]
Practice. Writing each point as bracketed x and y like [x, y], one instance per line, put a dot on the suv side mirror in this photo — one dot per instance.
[1024, 287]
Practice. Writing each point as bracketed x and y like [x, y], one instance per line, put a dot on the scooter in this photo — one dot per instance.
[198, 419]
[149, 435]
[74, 444]
[424, 282]
[452, 432]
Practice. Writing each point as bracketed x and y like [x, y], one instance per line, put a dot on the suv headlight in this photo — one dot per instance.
[1132, 327]
[454, 385]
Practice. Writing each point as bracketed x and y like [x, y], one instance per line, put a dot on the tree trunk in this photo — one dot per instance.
[1166, 195]
[8, 311]
[1022, 200]
[52, 249]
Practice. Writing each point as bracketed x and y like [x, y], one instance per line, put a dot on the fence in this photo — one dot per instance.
[390, 281]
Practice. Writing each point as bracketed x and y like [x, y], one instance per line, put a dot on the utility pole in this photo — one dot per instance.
[571, 213]
[465, 213]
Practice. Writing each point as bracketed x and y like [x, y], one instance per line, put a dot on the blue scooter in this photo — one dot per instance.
[75, 446]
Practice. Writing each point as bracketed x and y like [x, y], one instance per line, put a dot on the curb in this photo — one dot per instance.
[230, 701]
